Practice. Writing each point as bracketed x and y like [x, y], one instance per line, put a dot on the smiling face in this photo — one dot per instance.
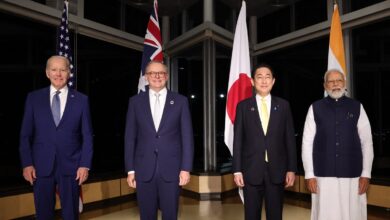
[57, 70]
[335, 84]
[156, 75]
[263, 81]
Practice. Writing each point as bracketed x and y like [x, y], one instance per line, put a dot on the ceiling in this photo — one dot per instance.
[172, 7]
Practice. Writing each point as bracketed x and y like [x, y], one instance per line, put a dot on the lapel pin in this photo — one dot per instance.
[172, 102]
[252, 109]
[72, 96]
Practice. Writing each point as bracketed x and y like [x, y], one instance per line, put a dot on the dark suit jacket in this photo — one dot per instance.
[41, 142]
[250, 143]
[171, 146]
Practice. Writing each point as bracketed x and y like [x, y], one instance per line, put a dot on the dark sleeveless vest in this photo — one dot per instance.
[337, 150]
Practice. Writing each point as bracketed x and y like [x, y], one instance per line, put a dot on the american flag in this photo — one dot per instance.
[152, 46]
[63, 44]
[64, 49]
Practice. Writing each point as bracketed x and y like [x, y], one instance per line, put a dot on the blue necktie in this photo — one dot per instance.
[56, 108]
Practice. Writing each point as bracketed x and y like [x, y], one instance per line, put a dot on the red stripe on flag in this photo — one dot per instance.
[240, 89]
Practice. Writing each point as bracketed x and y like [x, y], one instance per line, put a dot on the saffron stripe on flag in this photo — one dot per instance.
[336, 54]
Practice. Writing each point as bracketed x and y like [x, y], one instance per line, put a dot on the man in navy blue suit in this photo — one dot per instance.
[158, 145]
[264, 154]
[56, 142]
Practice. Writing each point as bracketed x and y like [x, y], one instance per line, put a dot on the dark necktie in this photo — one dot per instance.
[56, 108]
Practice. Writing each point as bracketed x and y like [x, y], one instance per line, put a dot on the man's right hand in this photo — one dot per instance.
[29, 174]
[311, 185]
[239, 180]
[131, 180]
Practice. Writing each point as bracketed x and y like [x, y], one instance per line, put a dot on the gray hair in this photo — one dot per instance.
[61, 57]
[331, 71]
[155, 61]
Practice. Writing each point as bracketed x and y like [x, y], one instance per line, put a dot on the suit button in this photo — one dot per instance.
[155, 151]
[337, 143]
[158, 136]
[337, 155]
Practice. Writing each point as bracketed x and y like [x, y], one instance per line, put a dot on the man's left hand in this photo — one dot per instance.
[184, 178]
[290, 178]
[364, 182]
[82, 175]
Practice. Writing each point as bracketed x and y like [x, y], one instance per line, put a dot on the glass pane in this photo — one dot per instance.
[187, 19]
[309, 12]
[274, 24]
[109, 75]
[224, 15]
[25, 46]
[371, 46]
[104, 12]
[195, 15]
[137, 21]
[190, 84]
[222, 67]
[359, 4]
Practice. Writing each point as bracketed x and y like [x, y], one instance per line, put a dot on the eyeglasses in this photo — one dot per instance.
[336, 81]
[155, 74]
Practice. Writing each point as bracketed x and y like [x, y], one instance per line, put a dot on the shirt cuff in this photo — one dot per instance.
[131, 172]
[237, 173]
[309, 175]
[366, 174]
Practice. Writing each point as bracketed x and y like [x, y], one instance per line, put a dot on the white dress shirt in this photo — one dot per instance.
[63, 97]
[267, 101]
[152, 101]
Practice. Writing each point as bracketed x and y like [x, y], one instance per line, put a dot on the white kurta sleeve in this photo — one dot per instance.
[364, 130]
[307, 144]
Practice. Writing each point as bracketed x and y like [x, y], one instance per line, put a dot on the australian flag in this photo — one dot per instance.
[64, 46]
[152, 46]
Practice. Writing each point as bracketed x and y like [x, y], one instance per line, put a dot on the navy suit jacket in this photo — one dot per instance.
[171, 146]
[42, 143]
[250, 143]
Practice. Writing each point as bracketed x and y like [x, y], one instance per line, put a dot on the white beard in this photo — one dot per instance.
[337, 93]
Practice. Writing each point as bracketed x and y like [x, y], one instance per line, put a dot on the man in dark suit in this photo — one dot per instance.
[56, 142]
[158, 145]
[264, 153]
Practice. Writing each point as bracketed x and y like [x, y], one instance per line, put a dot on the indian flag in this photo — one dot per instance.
[336, 56]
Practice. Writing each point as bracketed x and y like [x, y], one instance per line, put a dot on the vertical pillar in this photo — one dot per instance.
[209, 133]
[208, 10]
[252, 37]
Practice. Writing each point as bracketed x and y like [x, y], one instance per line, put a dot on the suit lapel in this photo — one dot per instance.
[169, 103]
[68, 106]
[47, 105]
[273, 114]
[146, 106]
[253, 108]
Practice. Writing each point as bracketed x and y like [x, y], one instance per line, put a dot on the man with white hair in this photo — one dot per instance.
[337, 153]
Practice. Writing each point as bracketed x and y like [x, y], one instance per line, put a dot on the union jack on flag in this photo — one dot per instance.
[63, 45]
[152, 46]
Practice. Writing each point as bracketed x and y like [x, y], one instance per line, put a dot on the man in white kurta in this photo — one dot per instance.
[338, 181]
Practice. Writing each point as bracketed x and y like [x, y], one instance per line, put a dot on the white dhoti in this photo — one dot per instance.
[338, 199]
